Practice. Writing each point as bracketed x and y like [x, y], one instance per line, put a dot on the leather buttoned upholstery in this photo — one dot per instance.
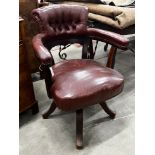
[80, 83]
[62, 19]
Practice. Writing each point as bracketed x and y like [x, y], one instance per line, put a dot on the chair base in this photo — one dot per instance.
[79, 121]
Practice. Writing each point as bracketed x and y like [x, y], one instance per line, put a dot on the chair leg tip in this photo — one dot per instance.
[113, 116]
[44, 116]
[79, 147]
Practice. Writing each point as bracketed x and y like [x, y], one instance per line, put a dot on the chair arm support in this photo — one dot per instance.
[108, 37]
[41, 52]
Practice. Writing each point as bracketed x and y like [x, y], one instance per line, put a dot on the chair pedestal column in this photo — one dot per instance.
[79, 129]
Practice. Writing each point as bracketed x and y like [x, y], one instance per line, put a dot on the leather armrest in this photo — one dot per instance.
[108, 37]
[41, 51]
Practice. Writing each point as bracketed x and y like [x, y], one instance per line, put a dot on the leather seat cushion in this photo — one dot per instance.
[80, 83]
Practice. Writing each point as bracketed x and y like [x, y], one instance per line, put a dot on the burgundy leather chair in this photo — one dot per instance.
[77, 83]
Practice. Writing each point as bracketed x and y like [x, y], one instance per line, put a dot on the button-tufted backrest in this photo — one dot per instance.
[61, 19]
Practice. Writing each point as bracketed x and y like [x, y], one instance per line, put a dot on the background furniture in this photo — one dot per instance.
[26, 94]
[74, 84]
[25, 8]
